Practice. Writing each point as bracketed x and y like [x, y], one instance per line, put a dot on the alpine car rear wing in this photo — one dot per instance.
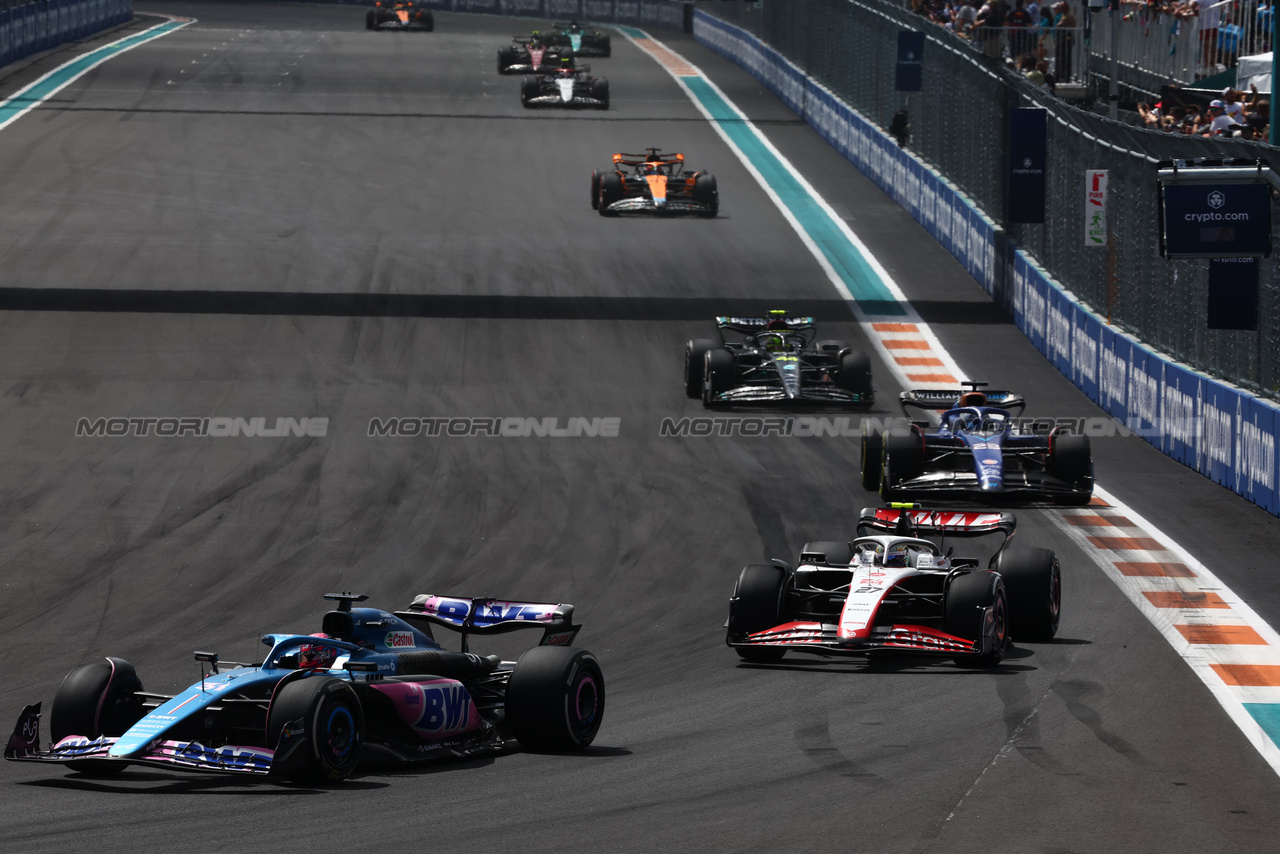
[942, 399]
[485, 616]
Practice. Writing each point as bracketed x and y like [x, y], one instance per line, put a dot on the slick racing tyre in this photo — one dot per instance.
[600, 91]
[756, 606]
[595, 190]
[901, 463]
[371, 20]
[331, 729]
[1071, 461]
[529, 89]
[555, 698]
[94, 700]
[719, 375]
[695, 358]
[855, 372]
[610, 192]
[967, 601]
[506, 58]
[705, 192]
[1033, 580]
[872, 458]
[835, 554]
[428, 21]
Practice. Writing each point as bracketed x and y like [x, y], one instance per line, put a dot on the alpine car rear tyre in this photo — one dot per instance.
[756, 606]
[872, 459]
[695, 357]
[706, 192]
[600, 91]
[555, 698]
[967, 601]
[332, 722]
[837, 554]
[94, 700]
[1033, 580]
[610, 192]
[719, 374]
[855, 372]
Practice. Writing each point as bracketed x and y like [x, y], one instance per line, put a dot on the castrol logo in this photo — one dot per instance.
[399, 640]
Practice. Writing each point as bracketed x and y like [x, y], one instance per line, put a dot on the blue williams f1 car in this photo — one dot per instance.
[373, 686]
[977, 450]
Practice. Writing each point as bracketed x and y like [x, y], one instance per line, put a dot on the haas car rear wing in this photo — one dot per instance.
[484, 616]
[912, 520]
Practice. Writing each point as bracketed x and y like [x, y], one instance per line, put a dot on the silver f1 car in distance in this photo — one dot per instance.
[898, 588]
[976, 451]
[775, 360]
[567, 86]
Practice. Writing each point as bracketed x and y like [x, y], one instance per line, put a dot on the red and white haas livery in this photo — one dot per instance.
[898, 588]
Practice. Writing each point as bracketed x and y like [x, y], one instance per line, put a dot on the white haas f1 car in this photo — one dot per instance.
[568, 86]
[371, 686]
[897, 588]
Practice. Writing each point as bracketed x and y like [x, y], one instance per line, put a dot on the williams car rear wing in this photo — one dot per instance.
[484, 616]
[942, 399]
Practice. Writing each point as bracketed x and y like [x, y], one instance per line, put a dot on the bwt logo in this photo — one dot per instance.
[1216, 199]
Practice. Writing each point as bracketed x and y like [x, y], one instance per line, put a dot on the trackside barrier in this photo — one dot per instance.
[44, 24]
[668, 14]
[1226, 434]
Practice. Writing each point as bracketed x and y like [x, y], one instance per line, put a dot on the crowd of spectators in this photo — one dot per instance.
[1233, 115]
[1028, 34]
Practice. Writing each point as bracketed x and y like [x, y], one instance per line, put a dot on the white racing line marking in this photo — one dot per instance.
[1233, 651]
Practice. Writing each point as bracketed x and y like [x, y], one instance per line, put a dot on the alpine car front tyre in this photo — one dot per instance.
[555, 698]
[94, 700]
[1033, 580]
[332, 727]
[757, 605]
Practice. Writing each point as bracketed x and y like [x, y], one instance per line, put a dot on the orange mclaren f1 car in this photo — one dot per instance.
[656, 183]
[398, 15]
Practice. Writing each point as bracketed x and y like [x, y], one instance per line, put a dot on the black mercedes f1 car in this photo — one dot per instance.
[775, 360]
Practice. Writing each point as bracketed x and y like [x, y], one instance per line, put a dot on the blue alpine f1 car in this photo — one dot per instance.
[372, 686]
[977, 450]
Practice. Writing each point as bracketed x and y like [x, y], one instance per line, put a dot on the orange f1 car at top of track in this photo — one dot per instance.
[656, 183]
[398, 15]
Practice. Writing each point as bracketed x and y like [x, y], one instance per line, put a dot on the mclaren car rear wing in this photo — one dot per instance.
[485, 616]
[942, 399]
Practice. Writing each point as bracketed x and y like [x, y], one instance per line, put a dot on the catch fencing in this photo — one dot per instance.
[29, 28]
[1119, 299]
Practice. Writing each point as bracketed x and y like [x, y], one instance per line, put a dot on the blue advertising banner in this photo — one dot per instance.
[1255, 446]
[1215, 220]
[1028, 162]
[1215, 457]
[1179, 415]
[908, 73]
[1114, 353]
[1086, 336]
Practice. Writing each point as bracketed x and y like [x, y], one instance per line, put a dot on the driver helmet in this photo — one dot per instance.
[901, 555]
[973, 398]
[316, 657]
[777, 323]
[774, 343]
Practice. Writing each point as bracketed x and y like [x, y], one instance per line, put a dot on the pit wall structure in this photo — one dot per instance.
[1223, 432]
[43, 24]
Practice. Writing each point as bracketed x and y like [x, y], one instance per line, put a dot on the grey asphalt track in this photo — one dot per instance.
[276, 213]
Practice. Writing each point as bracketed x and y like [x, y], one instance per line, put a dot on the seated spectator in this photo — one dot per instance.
[1150, 118]
[1050, 82]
